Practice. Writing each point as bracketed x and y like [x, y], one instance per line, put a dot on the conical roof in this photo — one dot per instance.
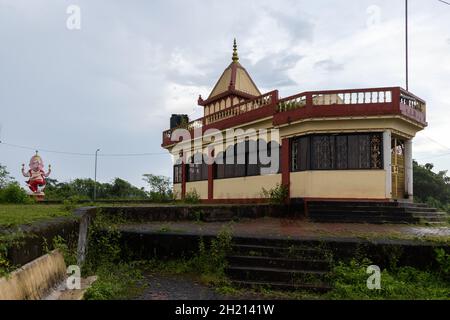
[235, 80]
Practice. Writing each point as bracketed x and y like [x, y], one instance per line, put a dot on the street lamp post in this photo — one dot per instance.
[407, 45]
[95, 175]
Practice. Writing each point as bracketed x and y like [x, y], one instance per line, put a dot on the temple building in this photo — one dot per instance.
[350, 144]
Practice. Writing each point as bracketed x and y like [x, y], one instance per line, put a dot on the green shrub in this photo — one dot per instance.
[13, 193]
[72, 202]
[115, 282]
[277, 195]
[192, 197]
[350, 283]
[212, 260]
[116, 279]
[443, 260]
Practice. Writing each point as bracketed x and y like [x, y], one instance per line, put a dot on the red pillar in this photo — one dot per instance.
[210, 182]
[183, 180]
[285, 164]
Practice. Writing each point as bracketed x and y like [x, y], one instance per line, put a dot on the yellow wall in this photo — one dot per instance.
[244, 188]
[177, 191]
[346, 184]
[201, 187]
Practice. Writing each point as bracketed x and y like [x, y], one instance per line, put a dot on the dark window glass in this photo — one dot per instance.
[304, 158]
[295, 155]
[197, 171]
[364, 152]
[177, 173]
[251, 159]
[341, 153]
[220, 166]
[337, 152]
[353, 152]
[322, 152]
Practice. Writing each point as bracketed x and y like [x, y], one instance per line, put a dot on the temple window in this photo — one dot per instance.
[197, 171]
[337, 152]
[177, 173]
[244, 160]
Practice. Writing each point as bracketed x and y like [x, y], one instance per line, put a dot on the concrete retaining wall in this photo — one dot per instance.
[198, 212]
[35, 279]
[32, 246]
[384, 253]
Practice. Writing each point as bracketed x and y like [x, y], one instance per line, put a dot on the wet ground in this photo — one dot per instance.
[183, 287]
[162, 287]
[297, 229]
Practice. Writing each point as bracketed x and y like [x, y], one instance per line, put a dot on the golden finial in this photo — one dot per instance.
[235, 53]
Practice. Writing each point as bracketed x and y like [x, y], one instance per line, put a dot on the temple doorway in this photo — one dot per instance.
[398, 168]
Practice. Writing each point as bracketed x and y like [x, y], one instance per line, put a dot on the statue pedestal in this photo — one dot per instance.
[38, 197]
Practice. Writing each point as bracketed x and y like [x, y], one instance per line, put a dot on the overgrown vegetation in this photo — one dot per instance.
[208, 263]
[8, 240]
[192, 197]
[116, 278]
[399, 283]
[277, 195]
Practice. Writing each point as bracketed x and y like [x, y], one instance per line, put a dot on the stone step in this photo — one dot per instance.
[278, 252]
[370, 220]
[427, 218]
[281, 286]
[381, 210]
[353, 204]
[292, 277]
[362, 215]
[374, 205]
[420, 209]
[360, 212]
[285, 263]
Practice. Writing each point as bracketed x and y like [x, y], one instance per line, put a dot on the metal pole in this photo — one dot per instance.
[407, 45]
[95, 175]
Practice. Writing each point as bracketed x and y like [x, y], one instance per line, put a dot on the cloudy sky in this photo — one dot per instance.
[114, 83]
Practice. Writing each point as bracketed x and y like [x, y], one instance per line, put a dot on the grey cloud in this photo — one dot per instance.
[295, 23]
[329, 65]
[272, 71]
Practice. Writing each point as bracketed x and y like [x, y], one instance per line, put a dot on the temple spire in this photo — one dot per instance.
[235, 53]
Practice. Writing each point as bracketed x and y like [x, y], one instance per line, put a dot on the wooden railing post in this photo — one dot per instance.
[285, 164]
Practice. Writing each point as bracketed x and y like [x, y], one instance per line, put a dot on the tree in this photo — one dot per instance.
[160, 187]
[84, 189]
[431, 187]
[5, 178]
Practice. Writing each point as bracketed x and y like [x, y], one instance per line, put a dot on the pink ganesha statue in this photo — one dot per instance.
[36, 175]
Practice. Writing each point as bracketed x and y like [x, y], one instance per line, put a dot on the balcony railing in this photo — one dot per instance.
[241, 108]
[335, 103]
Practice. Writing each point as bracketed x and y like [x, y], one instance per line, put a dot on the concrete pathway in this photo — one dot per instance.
[296, 229]
[172, 287]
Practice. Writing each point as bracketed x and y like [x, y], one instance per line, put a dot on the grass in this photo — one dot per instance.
[15, 215]
[398, 283]
[119, 281]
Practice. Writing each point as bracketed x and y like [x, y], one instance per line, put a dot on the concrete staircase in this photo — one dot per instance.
[374, 213]
[255, 264]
